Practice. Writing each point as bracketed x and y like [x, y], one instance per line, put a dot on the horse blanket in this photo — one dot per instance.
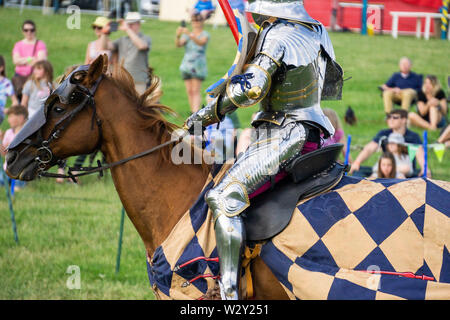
[364, 239]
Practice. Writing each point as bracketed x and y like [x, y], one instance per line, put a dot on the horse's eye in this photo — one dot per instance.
[58, 110]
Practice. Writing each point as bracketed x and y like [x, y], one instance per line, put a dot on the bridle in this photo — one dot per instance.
[45, 154]
[70, 91]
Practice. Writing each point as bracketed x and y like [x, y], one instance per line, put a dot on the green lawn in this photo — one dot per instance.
[64, 225]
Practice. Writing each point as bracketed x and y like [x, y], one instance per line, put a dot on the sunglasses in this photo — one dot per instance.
[394, 117]
[96, 27]
[29, 30]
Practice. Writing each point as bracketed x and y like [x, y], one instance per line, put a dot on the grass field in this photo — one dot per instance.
[64, 225]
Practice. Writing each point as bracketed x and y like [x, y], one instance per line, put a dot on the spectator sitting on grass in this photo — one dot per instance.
[402, 87]
[396, 121]
[445, 137]
[431, 106]
[397, 147]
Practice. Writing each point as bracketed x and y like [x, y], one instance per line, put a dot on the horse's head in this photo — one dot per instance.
[66, 125]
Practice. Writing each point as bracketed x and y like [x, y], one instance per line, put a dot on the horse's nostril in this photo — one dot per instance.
[11, 156]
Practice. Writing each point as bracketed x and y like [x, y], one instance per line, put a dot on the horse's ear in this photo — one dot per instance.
[105, 63]
[96, 69]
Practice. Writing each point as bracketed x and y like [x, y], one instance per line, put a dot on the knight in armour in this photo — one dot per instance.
[288, 68]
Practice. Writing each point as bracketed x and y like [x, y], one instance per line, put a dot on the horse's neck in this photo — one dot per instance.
[155, 193]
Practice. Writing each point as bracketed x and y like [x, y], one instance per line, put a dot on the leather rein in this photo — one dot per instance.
[45, 154]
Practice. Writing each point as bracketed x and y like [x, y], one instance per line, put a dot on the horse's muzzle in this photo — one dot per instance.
[21, 167]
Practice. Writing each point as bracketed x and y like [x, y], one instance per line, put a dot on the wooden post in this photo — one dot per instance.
[8, 196]
[119, 248]
[364, 18]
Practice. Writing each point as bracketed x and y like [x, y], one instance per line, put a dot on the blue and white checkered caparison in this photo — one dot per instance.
[393, 226]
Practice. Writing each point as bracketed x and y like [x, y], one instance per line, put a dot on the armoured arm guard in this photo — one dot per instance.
[243, 90]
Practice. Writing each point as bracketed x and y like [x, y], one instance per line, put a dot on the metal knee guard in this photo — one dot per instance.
[229, 198]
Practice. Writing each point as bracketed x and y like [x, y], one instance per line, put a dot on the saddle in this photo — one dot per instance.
[309, 175]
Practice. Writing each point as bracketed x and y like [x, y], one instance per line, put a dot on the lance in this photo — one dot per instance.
[229, 16]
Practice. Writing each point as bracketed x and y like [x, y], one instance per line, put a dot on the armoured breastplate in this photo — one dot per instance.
[299, 89]
[297, 86]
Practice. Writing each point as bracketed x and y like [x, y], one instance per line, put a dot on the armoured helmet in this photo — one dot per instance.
[285, 9]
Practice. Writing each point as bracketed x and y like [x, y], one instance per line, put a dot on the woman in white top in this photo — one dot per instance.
[94, 47]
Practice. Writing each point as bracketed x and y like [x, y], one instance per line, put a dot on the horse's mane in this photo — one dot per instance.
[149, 108]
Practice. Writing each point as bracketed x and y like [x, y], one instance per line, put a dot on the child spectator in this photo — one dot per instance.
[396, 121]
[17, 116]
[431, 106]
[204, 8]
[386, 168]
[38, 88]
[6, 89]
[397, 147]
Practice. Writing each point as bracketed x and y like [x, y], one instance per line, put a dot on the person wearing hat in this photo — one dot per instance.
[397, 122]
[396, 145]
[94, 48]
[133, 49]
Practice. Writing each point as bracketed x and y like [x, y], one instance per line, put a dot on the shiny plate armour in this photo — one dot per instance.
[292, 64]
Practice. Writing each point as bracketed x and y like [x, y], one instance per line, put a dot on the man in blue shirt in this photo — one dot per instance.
[402, 87]
[396, 121]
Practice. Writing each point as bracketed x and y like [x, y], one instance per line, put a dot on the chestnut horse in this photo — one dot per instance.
[121, 124]
[161, 191]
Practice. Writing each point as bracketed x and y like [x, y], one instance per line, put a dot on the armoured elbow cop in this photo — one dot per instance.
[251, 87]
[242, 91]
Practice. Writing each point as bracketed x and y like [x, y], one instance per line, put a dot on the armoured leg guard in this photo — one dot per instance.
[229, 198]
[230, 248]
[230, 236]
